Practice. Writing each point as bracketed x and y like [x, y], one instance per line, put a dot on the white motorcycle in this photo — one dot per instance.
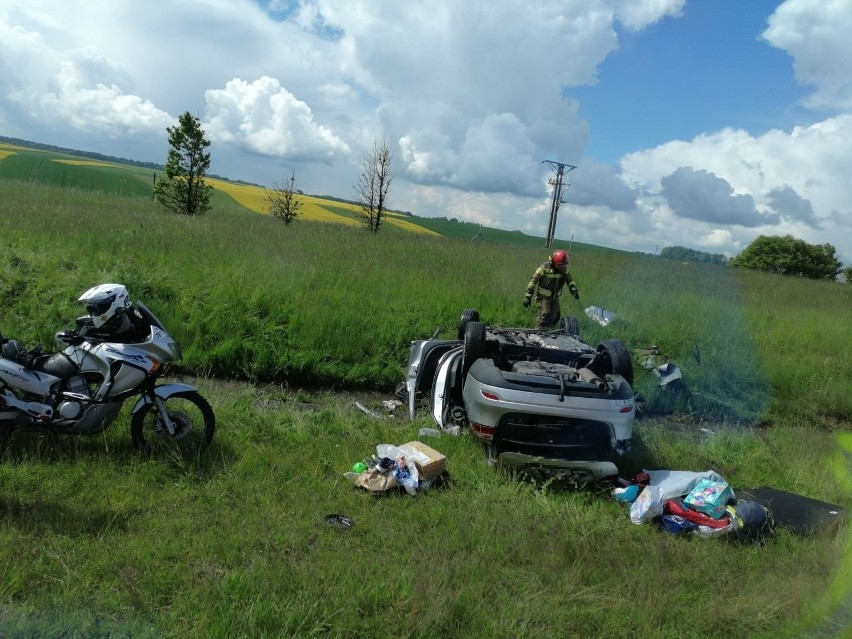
[81, 389]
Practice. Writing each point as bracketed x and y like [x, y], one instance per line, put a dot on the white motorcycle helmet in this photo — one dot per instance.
[103, 301]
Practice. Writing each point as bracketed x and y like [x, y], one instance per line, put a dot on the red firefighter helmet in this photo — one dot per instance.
[559, 258]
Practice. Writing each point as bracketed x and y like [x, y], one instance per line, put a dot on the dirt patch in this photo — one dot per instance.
[387, 404]
[279, 396]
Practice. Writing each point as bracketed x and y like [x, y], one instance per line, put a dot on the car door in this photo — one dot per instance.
[443, 387]
[422, 364]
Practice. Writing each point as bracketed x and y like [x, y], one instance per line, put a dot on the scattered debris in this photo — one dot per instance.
[339, 521]
[704, 504]
[657, 363]
[391, 405]
[413, 466]
[367, 411]
[600, 315]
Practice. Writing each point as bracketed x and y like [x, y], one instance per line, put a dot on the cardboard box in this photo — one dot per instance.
[430, 463]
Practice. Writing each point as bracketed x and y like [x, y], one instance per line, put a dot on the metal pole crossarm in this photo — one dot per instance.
[557, 198]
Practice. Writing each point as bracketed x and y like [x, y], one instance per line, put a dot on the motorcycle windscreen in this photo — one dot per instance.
[149, 316]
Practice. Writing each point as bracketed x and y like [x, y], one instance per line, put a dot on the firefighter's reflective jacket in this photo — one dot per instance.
[548, 280]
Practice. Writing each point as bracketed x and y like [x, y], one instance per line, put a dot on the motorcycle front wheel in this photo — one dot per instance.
[193, 420]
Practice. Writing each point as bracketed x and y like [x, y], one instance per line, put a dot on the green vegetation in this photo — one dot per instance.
[98, 542]
[183, 191]
[788, 255]
[44, 164]
[283, 201]
[683, 254]
[41, 168]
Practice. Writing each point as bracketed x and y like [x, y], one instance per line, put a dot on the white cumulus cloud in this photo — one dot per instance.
[638, 15]
[264, 117]
[100, 108]
[797, 180]
[816, 33]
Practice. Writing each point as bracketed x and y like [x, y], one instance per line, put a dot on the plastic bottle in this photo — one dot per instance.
[429, 432]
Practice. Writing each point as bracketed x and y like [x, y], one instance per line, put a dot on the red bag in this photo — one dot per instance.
[676, 507]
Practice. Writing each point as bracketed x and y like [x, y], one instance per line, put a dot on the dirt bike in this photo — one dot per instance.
[81, 389]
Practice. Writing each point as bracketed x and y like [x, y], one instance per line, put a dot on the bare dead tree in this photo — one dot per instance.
[283, 202]
[373, 185]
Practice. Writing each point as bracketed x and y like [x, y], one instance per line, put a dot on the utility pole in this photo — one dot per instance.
[557, 197]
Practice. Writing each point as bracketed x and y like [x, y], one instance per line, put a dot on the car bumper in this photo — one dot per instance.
[488, 405]
[543, 467]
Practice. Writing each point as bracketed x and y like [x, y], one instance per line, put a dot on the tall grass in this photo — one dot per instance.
[95, 541]
[328, 304]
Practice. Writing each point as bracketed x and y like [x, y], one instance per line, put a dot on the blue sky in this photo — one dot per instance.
[713, 69]
[699, 123]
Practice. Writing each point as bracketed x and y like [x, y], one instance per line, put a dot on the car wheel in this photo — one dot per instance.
[474, 345]
[571, 326]
[468, 315]
[612, 357]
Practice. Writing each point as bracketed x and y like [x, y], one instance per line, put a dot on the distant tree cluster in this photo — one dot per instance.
[683, 254]
[787, 255]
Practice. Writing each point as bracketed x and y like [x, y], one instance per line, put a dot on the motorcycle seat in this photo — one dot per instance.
[57, 364]
[11, 348]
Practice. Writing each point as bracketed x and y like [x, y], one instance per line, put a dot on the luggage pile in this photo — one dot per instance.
[699, 503]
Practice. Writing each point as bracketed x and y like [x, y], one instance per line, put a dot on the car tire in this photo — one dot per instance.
[474, 345]
[468, 315]
[613, 358]
[571, 326]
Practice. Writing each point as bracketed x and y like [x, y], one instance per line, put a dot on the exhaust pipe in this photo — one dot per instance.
[590, 377]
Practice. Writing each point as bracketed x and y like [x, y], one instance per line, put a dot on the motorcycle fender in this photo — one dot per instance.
[164, 392]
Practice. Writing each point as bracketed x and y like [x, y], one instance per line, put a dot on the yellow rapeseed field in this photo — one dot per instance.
[15, 147]
[408, 226]
[255, 199]
[84, 163]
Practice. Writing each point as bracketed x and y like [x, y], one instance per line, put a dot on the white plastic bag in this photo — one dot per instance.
[405, 470]
[647, 505]
[677, 483]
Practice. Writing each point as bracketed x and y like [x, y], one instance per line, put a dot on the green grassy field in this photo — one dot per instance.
[38, 166]
[98, 542]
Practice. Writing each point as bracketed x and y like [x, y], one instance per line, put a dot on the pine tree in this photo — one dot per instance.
[183, 191]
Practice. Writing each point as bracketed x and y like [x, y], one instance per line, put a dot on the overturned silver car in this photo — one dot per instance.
[541, 400]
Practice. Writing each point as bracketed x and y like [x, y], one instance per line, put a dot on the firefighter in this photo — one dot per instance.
[546, 284]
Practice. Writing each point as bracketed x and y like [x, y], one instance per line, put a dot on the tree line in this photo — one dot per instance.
[683, 254]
